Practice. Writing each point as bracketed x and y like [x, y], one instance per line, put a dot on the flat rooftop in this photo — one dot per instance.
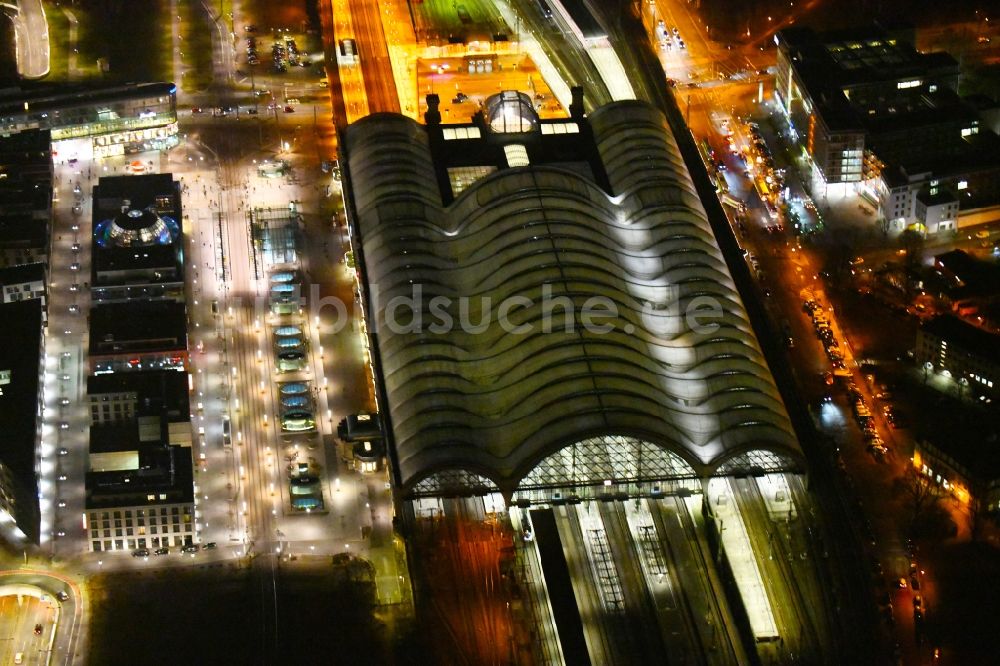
[121, 328]
[45, 98]
[971, 339]
[154, 389]
[165, 473]
[830, 62]
[20, 345]
[22, 273]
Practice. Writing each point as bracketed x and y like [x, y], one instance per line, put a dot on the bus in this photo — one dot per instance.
[227, 432]
[348, 51]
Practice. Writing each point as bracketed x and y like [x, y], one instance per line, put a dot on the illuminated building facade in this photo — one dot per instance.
[138, 248]
[21, 370]
[882, 119]
[95, 121]
[527, 214]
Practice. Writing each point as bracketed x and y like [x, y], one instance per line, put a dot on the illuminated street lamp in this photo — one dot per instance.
[438, 69]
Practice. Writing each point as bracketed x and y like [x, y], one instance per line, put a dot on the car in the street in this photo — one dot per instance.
[161, 551]
[74, 287]
[195, 110]
[140, 552]
[61, 596]
[75, 266]
[250, 28]
[62, 503]
[18, 657]
[208, 546]
[190, 548]
[62, 477]
[289, 109]
[75, 247]
[74, 308]
[64, 426]
[64, 452]
[38, 629]
[64, 401]
[75, 226]
[64, 376]
[252, 111]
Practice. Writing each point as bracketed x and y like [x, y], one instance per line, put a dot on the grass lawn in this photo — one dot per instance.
[221, 615]
[136, 43]
[196, 46]
[967, 615]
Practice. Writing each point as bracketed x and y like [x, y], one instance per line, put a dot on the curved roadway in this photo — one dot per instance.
[66, 642]
[31, 39]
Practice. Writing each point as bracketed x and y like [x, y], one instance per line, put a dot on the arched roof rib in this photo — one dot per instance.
[491, 400]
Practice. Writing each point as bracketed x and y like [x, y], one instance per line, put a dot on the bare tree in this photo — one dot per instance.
[920, 491]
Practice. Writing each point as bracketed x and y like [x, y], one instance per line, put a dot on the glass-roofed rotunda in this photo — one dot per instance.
[133, 227]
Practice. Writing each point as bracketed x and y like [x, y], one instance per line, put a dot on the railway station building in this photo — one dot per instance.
[549, 315]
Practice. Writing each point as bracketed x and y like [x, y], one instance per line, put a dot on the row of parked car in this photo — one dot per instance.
[821, 324]
[190, 548]
[873, 442]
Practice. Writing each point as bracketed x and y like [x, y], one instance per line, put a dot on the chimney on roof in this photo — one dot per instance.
[433, 115]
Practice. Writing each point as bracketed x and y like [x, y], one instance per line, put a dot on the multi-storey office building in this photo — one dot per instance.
[138, 335]
[89, 121]
[26, 196]
[137, 251]
[878, 118]
[140, 494]
[21, 370]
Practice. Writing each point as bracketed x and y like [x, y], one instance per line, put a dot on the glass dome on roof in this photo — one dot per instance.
[136, 228]
[294, 401]
[511, 111]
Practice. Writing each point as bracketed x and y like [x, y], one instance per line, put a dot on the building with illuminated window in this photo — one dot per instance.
[21, 370]
[877, 117]
[965, 353]
[26, 196]
[24, 282]
[138, 245]
[140, 474]
[497, 380]
[126, 337]
[95, 121]
[140, 492]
